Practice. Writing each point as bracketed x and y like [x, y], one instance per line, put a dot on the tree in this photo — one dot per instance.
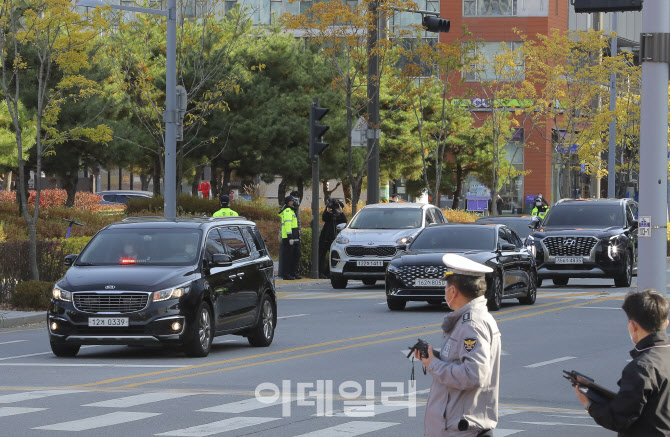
[48, 42]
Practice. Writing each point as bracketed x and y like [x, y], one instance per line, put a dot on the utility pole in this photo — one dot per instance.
[611, 157]
[655, 56]
[373, 105]
[316, 146]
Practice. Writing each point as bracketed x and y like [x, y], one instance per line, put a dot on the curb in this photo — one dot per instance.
[28, 319]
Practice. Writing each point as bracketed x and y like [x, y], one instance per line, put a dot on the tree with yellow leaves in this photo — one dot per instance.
[44, 48]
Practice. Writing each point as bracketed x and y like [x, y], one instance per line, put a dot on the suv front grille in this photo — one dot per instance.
[110, 302]
[370, 251]
[570, 246]
[408, 274]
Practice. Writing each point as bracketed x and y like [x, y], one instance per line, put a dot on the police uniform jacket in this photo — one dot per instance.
[225, 212]
[466, 376]
[641, 408]
[540, 212]
[289, 223]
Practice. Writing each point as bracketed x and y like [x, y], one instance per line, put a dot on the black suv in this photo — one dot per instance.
[150, 280]
[584, 238]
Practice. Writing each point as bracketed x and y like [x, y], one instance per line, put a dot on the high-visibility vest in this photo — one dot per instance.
[225, 212]
[539, 213]
[288, 222]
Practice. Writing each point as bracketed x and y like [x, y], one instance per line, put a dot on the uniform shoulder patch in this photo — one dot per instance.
[469, 344]
[466, 317]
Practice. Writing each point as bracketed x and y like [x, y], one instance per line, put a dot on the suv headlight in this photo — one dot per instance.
[614, 248]
[403, 240]
[171, 293]
[60, 294]
[341, 239]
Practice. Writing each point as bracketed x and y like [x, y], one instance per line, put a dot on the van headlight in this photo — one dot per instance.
[60, 294]
[171, 293]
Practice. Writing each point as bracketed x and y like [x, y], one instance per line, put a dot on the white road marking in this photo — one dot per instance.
[13, 341]
[110, 419]
[40, 353]
[219, 427]
[574, 416]
[12, 411]
[37, 394]
[141, 399]
[545, 363]
[555, 424]
[373, 410]
[507, 412]
[505, 432]
[349, 429]
[245, 406]
[601, 308]
[151, 366]
[288, 317]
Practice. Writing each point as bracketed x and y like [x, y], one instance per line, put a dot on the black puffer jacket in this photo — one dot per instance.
[641, 408]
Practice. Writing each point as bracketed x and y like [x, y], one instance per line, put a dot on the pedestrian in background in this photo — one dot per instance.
[204, 189]
[542, 200]
[289, 239]
[463, 398]
[225, 211]
[641, 408]
[332, 215]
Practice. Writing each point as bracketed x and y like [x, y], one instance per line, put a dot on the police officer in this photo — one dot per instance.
[225, 211]
[289, 239]
[463, 398]
[332, 216]
[539, 209]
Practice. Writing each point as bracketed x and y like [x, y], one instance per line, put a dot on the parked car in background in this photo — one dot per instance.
[416, 274]
[177, 281]
[519, 223]
[363, 248]
[121, 197]
[587, 238]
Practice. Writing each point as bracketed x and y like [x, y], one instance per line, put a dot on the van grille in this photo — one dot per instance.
[110, 302]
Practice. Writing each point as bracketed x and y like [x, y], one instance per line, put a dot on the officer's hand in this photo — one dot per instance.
[582, 397]
[425, 361]
[290, 242]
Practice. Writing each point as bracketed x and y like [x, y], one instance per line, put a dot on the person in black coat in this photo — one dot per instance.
[332, 216]
[641, 408]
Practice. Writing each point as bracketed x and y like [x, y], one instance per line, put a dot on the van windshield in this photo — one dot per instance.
[169, 247]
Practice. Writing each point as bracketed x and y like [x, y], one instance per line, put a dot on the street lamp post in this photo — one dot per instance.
[170, 114]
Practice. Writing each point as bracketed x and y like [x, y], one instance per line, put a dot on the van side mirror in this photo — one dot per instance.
[222, 260]
[340, 226]
[70, 259]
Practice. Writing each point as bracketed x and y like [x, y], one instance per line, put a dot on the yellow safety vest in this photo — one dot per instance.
[225, 212]
[288, 222]
[539, 213]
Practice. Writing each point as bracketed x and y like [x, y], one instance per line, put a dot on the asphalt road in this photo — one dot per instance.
[336, 368]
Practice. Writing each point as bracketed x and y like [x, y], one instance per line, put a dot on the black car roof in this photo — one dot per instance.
[179, 222]
[598, 201]
[500, 219]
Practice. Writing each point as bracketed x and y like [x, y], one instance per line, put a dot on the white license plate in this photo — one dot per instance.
[569, 260]
[429, 282]
[369, 263]
[108, 321]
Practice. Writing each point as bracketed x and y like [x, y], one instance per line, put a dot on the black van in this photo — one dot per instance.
[149, 280]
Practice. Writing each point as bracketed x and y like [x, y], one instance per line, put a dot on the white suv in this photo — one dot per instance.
[363, 248]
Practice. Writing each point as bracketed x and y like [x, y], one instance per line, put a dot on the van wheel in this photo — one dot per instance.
[200, 334]
[262, 334]
[64, 350]
[338, 283]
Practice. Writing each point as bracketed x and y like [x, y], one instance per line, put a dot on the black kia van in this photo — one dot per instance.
[149, 280]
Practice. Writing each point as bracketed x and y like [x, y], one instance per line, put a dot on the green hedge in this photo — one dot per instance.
[32, 295]
[192, 205]
[305, 265]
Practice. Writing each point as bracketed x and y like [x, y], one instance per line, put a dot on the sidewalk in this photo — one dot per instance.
[12, 319]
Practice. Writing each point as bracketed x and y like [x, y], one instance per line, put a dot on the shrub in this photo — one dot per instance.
[144, 204]
[32, 295]
[270, 232]
[460, 216]
[305, 263]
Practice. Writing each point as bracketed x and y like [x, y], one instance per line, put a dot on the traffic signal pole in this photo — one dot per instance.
[654, 56]
[316, 131]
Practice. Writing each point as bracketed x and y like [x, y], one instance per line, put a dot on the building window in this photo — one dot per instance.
[512, 188]
[229, 5]
[505, 8]
[276, 9]
[484, 70]
[305, 6]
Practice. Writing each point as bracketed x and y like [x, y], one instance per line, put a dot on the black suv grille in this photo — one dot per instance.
[110, 302]
[408, 274]
[570, 246]
[370, 251]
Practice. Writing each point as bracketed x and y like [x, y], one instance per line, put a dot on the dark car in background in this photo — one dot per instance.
[152, 280]
[587, 238]
[518, 223]
[121, 197]
[416, 274]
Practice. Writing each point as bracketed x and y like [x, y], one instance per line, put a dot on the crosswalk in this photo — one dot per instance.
[201, 414]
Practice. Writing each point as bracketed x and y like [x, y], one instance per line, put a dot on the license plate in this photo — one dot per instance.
[107, 321]
[569, 260]
[369, 263]
[428, 282]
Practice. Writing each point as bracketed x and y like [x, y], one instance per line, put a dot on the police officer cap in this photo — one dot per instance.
[288, 199]
[224, 198]
[460, 265]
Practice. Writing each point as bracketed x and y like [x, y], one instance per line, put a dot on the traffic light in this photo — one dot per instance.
[435, 24]
[585, 6]
[316, 131]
